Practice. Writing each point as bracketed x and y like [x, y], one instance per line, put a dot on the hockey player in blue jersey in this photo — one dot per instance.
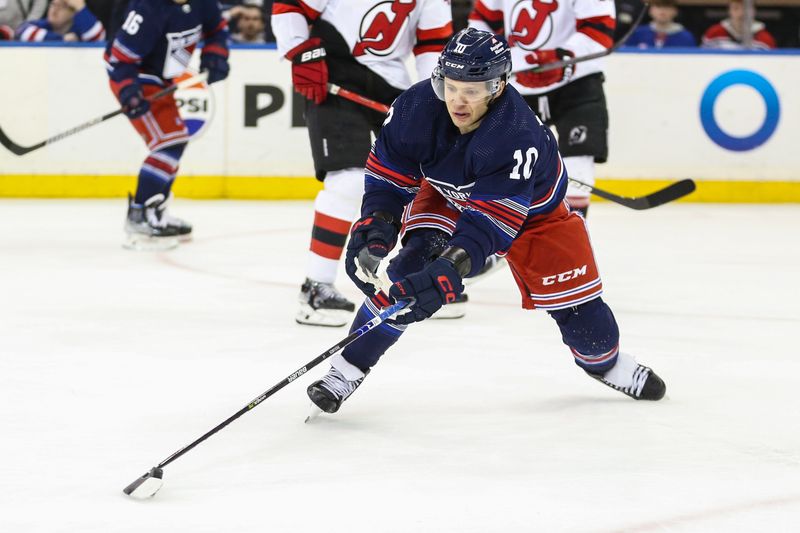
[154, 46]
[466, 150]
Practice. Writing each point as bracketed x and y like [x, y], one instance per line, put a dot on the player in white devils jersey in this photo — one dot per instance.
[360, 45]
[571, 98]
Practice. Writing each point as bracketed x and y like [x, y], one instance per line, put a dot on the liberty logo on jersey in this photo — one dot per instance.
[532, 23]
[456, 193]
[564, 276]
[381, 25]
[195, 105]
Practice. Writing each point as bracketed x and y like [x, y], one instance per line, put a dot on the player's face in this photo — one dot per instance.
[467, 102]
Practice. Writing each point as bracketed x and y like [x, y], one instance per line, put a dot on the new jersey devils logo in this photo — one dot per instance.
[532, 24]
[381, 25]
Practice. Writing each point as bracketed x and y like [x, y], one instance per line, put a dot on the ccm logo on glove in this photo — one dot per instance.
[447, 289]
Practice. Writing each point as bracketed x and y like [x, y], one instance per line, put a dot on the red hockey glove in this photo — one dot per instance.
[309, 70]
[548, 77]
[436, 285]
[6, 33]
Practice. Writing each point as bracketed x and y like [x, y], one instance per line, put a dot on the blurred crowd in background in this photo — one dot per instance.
[683, 23]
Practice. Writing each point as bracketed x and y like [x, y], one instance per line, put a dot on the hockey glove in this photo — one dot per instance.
[436, 285]
[6, 33]
[133, 102]
[309, 70]
[548, 77]
[214, 59]
[371, 239]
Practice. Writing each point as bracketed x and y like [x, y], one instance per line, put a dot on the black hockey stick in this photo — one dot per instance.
[596, 55]
[670, 193]
[22, 150]
[151, 481]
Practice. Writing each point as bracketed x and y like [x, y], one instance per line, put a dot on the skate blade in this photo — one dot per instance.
[451, 311]
[332, 318]
[185, 238]
[315, 412]
[144, 243]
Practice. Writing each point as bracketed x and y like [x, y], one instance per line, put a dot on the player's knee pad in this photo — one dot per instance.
[365, 351]
[591, 333]
[342, 193]
[581, 168]
[420, 247]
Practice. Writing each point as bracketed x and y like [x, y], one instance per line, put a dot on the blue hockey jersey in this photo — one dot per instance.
[84, 25]
[498, 176]
[157, 38]
[647, 36]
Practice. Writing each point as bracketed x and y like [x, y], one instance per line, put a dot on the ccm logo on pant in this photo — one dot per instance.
[564, 276]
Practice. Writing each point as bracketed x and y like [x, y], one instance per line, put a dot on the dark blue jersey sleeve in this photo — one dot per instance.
[392, 171]
[215, 29]
[141, 30]
[498, 205]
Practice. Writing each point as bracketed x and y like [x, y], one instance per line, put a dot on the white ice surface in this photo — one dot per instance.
[111, 360]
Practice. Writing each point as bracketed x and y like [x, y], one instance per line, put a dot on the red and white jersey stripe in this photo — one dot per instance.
[580, 26]
[381, 34]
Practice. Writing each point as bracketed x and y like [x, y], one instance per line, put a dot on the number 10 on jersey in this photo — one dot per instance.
[526, 162]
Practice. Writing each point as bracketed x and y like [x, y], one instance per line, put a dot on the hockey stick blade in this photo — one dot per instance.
[670, 193]
[14, 147]
[146, 486]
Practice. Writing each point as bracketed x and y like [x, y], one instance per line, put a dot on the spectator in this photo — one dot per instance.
[729, 33]
[67, 20]
[662, 30]
[248, 19]
[15, 12]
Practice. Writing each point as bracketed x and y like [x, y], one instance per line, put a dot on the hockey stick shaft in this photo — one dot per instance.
[22, 150]
[670, 193]
[357, 98]
[596, 55]
[360, 332]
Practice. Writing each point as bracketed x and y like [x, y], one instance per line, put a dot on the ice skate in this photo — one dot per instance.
[334, 388]
[493, 264]
[635, 380]
[183, 228]
[322, 305]
[456, 309]
[147, 229]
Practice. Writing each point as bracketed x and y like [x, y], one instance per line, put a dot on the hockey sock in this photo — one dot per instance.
[581, 168]
[591, 333]
[365, 351]
[334, 210]
[158, 172]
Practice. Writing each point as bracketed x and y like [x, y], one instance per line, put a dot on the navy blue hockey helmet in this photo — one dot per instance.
[473, 55]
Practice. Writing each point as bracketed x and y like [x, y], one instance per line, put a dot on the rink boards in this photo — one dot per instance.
[726, 120]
